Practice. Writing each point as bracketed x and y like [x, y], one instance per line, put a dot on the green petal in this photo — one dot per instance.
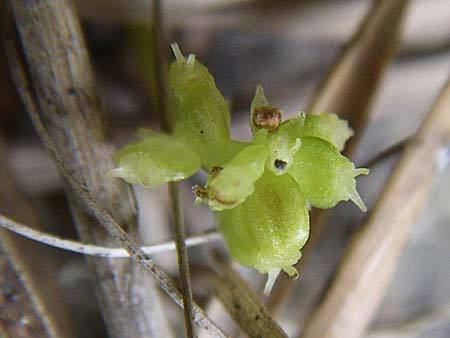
[232, 184]
[325, 126]
[198, 112]
[282, 149]
[281, 153]
[324, 176]
[155, 159]
[268, 230]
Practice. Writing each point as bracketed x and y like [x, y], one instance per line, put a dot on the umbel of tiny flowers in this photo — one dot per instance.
[260, 190]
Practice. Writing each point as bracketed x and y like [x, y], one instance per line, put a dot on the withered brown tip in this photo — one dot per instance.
[267, 117]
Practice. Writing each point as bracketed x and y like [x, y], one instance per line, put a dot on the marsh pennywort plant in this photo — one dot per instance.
[260, 190]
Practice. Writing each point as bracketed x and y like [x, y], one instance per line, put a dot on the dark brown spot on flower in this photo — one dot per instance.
[280, 164]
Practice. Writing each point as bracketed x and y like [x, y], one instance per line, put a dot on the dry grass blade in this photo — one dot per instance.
[349, 87]
[422, 326]
[242, 304]
[388, 152]
[24, 292]
[373, 254]
[31, 302]
[15, 304]
[348, 90]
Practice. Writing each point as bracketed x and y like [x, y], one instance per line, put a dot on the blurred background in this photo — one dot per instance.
[287, 46]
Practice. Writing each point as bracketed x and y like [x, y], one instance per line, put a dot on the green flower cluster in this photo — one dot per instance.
[260, 189]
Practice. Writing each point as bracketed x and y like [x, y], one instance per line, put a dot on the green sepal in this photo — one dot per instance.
[259, 100]
[325, 126]
[270, 227]
[198, 112]
[324, 175]
[155, 159]
[230, 185]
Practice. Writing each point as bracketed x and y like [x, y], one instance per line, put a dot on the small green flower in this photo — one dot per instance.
[261, 189]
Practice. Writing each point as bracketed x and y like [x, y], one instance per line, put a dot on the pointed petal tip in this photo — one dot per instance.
[361, 171]
[271, 278]
[191, 60]
[355, 198]
[177, 52]
[291, 271]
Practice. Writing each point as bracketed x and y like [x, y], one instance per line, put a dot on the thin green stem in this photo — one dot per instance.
[178, 222]
[182, 256]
